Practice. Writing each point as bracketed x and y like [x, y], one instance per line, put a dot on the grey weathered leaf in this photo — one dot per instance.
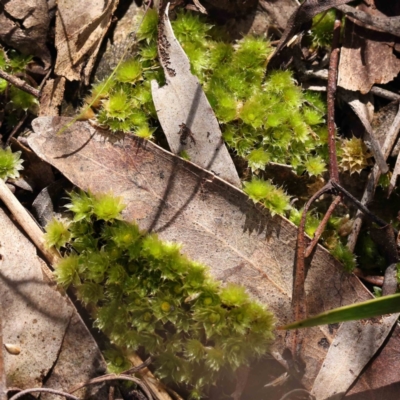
[24, 26]
[80, 28]
[35, 316]
[215, 222]
[184, 112]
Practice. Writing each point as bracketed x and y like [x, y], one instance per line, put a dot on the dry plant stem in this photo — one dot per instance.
[373, 179]
[373, 279]
[20, 84]
[3, 383]
[298, 297]
[322, 226]
[375, 90]
[129, 371]
[331, 94]
[297, 391]
[43, 390]
[16, 129]
[381, 23]
[157, 388]
[27, 223]
[106, 378]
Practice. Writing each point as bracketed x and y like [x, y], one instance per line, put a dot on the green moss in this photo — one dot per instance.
[10, 164]
[145, 293]
[264, 118]
[322, 29]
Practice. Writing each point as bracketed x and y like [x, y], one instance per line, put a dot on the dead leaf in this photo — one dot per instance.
[51, 97]
[80, 28]
[380, 381]
[35, 316]
[367, 56]
[363, 107]
[24, 26]
[217, 224]
[187, 119]
[78, 361]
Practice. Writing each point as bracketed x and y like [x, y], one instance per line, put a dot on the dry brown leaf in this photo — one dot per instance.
[35, 316]
[187, 119]
[51, 97]
[80, 28]
[24, 26]
[217, 224]
[47, 342]
[366, 56]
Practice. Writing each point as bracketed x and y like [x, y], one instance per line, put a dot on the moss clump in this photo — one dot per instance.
[16, 102]
[263, 118]
[322, 29]
[146, 294]
[10, 164]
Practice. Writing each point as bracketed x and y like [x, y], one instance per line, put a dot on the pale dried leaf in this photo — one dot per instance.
[215, 221]
[80, 28]
[51, 97]
[344, 363]
[184, 112]
[35, 316]
[366, 58]
[24, 26]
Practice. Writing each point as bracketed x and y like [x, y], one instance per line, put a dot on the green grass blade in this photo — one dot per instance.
[366, 309]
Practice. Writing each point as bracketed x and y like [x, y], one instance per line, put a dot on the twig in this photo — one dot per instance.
[27, 223]
[20, 84]
[373, 179]
[298, 297]
[16, 129]
[128, 371]
[380, 22]
[43, 390]
[297, 391]
[3, 383]
[106, 378]
[375, 90]
[331, 93]
[322, 226]
[374, 279]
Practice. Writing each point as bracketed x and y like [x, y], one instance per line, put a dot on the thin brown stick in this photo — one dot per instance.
[321, 226]
[374, 279]
[106, 378]
[20, 84]
[298, 296]
[331, 94]
[297, 391]
[373, 179]
[3, 383]
[43, 390]
[16, 129]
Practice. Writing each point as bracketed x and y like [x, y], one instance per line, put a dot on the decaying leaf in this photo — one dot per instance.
[367, 56]
[80, 27]
[35, 316]
[24, 25]
[215, 222]
[184, 112]
[46, 340]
